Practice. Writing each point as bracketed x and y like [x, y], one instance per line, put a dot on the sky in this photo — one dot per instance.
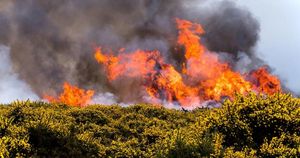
[279, 43]
[11, 87]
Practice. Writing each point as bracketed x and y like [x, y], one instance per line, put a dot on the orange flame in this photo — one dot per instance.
[169, 85]
[189, 37]
[72, 95]
[265, 82]
[138, 63]
[216, 78]
[202, 75]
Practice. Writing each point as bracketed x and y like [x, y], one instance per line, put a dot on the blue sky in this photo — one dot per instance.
[279, 43]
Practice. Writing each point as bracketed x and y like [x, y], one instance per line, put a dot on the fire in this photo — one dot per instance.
[202, 75]
[169, 85]
[72, 95]
[138, 63]
[189, 36]
[216, 79]
[227, 84]
[265, 82]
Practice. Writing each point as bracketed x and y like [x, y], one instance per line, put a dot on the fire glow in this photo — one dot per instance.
[201, 77]
[73, 96]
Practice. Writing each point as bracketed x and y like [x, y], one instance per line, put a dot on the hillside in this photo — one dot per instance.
[247, 127]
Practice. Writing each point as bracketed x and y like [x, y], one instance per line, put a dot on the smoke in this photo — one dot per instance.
[11, 87]
[231, 29]
[105, 99]
[53, 41]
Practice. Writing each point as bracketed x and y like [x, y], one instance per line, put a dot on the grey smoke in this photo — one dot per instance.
[52, 41]
[231, 29]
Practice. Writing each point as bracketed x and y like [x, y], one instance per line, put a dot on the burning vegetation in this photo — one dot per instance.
[146, 58]
[201, 77]
[72, 96]
[158, 62]
[184, 66]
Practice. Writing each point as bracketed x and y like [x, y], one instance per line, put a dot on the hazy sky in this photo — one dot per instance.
[11, 87]
[279, 41]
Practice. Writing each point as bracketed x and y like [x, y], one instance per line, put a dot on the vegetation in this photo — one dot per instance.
[252, 126]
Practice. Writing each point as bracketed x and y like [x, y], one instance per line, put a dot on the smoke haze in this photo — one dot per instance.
[53, 41]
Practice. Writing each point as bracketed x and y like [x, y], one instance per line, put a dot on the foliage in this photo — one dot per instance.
[251, 126]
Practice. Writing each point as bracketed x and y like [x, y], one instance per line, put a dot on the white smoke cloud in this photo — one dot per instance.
[104, 99]
[11, 87]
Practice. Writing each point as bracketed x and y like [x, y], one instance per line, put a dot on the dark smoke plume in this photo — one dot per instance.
[231, 29]
[53, 41]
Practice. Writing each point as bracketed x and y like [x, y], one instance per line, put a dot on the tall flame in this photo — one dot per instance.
[215, 79]
[202, 75]
[72, 95]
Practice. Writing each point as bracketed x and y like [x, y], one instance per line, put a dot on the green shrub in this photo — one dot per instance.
[251, 126]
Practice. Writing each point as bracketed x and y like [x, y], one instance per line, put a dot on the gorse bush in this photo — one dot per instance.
[259, 123]
[251, 126]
